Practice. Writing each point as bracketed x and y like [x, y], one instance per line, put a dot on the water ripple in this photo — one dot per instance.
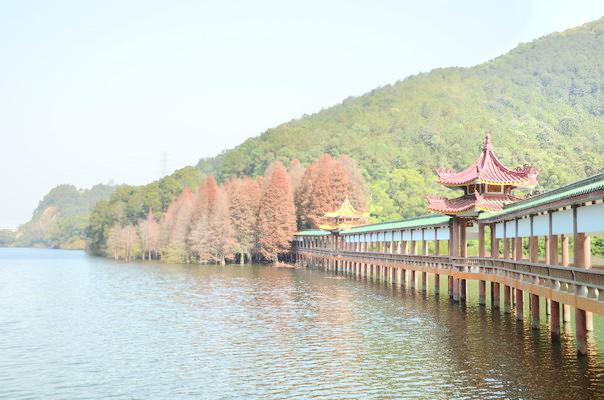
[77, 327]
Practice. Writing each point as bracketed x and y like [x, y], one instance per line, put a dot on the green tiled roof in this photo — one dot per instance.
[312, 232]
[425, 220]
[585, 186]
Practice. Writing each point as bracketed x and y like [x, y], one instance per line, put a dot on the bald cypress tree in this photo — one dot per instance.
[175, 227]
[276, 215]
[244, 195]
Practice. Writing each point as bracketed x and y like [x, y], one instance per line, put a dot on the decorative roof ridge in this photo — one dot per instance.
[483, 167]
[442, 197]
[346, 209]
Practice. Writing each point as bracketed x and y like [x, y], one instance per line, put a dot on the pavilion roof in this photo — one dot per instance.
[469, 203]
[488, 169]
[346, 210]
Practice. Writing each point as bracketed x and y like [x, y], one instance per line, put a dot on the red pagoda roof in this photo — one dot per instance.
[488, 169]
[469, 203]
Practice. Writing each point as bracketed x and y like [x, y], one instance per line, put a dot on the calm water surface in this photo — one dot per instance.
[77, 327]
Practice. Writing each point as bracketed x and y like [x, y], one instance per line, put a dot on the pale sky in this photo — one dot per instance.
[97, 91]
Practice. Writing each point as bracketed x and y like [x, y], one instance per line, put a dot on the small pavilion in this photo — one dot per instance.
[487, 185]
[344, 218]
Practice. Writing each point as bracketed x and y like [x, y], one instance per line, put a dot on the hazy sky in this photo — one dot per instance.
[97, 91]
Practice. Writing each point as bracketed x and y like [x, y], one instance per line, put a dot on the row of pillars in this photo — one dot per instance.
[378, 272]
[513, 248]
[513, 298]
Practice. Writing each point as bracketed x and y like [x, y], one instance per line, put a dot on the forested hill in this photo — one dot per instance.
[61, 218]
[543, 103]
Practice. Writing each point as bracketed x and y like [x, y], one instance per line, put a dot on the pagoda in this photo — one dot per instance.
[344, 218]
[487, 185]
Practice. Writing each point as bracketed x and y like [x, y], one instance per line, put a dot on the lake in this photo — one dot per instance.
[79, 327]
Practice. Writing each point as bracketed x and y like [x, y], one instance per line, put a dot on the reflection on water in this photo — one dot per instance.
[73, 326]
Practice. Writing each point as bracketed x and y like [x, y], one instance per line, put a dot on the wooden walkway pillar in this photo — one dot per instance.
[566, 313]
[482, 293]
[462, 290]
[495, 294]
[519, 305]
[555, 320]
[581, 331]
[582, 260]
[507, 303]
[436, 275]
[455, 289]
[424, 282]
[453, 252]
[535, 311]
[482, 285]
[564, 244]
[424, 253]
[534, 249]
[463, 252]
[553, 249]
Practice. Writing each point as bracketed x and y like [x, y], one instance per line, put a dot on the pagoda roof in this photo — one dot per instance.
[488, 169]
[472, 203]
[346, 210]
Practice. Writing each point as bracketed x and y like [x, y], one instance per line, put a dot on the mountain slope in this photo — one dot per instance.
[543, 102]
[61, 218]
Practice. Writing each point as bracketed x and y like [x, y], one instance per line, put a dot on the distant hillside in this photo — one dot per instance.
[61, 218]
[130, 204]
[543, 103]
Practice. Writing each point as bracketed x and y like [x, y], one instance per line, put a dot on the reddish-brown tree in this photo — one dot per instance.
[303, 196]
[244, 195]
[324, 186]
[199, 239]
[148, 232]
[207, 196]
[357, 186]
[211, 235]
[122, 243]
[221, 240]
[339, 184]
[322, 193]
[175, 226]
[276, 215]
[295, 171]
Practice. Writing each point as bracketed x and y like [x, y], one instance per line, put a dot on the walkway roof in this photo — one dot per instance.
[312, 232]
[564, 195]
[423, 221]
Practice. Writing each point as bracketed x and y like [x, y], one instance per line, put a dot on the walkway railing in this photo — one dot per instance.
[576, 281]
